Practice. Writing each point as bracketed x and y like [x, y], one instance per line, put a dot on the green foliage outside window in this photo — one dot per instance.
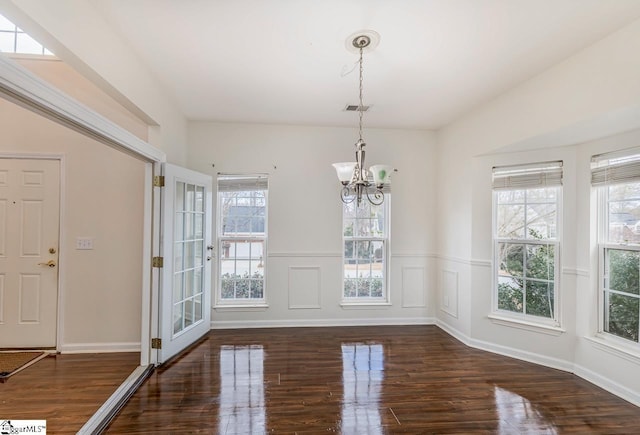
[623, 309]
[236, 286]
[363, 287]
[527, 277]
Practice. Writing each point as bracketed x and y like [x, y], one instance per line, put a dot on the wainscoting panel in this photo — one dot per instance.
[413, 287]
[449, 285]
[304, 287]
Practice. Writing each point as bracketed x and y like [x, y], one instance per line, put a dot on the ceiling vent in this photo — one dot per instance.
[355, 108]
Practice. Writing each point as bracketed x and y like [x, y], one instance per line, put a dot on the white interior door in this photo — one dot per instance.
[185, 301]
[29, 234]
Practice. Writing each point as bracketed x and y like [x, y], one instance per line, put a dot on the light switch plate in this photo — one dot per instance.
[84, 243]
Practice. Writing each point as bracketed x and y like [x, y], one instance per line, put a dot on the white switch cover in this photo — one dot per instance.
[84, 243]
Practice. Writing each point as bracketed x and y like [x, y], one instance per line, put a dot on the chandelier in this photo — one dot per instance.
[357, 181]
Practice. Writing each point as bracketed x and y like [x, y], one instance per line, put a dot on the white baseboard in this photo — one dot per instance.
[554, 363]
[99, 347]
[607, 384]
[458, 335]
[301, 323]
[567, 366]
[511, 352]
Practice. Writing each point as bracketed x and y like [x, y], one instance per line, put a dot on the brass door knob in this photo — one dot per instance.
[49, 263]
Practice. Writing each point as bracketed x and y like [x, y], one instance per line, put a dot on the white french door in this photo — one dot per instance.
[185, 296]
[29, 243]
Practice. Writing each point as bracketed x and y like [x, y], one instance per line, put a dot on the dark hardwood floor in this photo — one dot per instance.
[364, 380]
[65, 390]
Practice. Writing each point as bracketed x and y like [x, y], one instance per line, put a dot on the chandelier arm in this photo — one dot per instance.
[378, 197]
[346, 196]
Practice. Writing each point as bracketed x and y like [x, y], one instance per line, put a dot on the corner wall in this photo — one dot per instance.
[556, 115]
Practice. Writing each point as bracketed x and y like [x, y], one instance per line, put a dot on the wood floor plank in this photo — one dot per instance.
[65, 390]
[364, 380]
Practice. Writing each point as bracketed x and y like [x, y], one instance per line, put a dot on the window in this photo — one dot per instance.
[618, 181]
[242, 238]
[365, 233]
[15, 40]
[526, 236]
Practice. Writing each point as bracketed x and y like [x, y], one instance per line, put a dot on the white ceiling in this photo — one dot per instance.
[285, 61]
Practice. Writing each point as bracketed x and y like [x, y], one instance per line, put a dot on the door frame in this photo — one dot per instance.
[7, 155]
[20, 86]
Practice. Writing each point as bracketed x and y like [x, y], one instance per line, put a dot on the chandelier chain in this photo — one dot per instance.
[356, 182]
[360, 107]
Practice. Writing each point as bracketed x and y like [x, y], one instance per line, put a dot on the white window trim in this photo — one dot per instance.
[602, 337]
[618, 167]
[249, 304]
[504, 319]
[522, 320]
[616, 346]
[385, 300]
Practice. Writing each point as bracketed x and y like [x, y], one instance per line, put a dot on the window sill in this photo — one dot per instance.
[526, 325]
[615, 348]
[241, 307]
[368, 305]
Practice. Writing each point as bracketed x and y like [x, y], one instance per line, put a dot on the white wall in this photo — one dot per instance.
[103, 195]
[305, 216]
[66, 79]
[76, 33]
[555, 115]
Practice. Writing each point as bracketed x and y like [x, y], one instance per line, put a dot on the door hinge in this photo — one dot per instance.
[156, 343]
[158, 181]
[157, 262]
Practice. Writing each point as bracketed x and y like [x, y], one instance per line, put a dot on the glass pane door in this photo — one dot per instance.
[185, 289]
[189, 256]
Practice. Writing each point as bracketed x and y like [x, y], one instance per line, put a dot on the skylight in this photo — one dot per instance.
[15, 40]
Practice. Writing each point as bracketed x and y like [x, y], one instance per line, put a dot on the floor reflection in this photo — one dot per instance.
[362, 376]
[518, 415]
[242, 406]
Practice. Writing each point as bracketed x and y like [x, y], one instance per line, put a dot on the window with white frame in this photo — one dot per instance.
[242, 238]
[365, 233]
[618, 181]
[527, 202]
[15, 40]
